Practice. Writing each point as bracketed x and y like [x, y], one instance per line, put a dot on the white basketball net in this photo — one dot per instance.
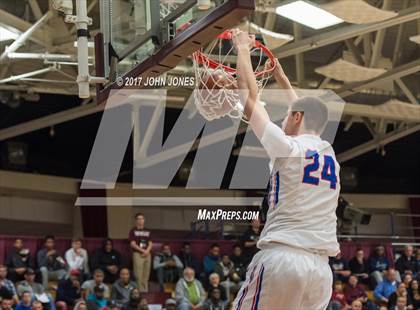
[216, 94]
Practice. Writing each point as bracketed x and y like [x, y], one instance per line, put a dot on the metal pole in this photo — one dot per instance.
[82, 48]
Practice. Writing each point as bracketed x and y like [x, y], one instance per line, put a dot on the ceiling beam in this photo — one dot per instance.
[344, 33]
[378, 142]
[390, 75]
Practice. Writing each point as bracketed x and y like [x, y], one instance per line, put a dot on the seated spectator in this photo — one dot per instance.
[6, 304]
[417, 262]
[7, 288]
[17, 261]
[214, 282]
[356, 305]
[239, 262]
[340, 268]
[167, 265]
[77, 258]
[406, 263]
[378, 264]
[414, 294]
[406, 279]
[108, 260]
[26, 302]
[189, 292]
[354, 291]
[80, 305]
[37, 305]
[188, 259]
[122, 288]
[29, 284]
[338, 299]
[170, 304]
[98, 280]
[359, 266]
[401, 304]
[211, 259]
[229, 279]
[382, 307]
[97, 299]
[386, 287]
[143, 304]
[400, 292]
[134, 300]
[51, 265]
[69, 291]
[250, 238]
[214, 302]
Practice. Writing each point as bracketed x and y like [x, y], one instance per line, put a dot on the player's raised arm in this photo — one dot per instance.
[272, 137]
[255, 113]
[283, 81]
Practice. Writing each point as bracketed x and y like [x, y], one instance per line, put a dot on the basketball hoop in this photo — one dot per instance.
[217, 92]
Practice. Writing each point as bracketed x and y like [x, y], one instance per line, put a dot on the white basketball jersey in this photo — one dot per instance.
[303, 192]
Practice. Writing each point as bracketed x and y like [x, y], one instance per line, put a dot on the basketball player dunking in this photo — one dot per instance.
[291, 271]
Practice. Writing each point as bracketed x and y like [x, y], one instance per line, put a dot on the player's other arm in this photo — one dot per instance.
[283, 81]
[273, 138]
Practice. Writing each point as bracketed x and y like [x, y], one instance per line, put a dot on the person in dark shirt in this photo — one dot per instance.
[52, 266]
[211, 259]
[400, 292]
[69, 291]
[17, 261]
[250, 239]
[26, 302]
[354, 291]
[359, 267]
[378, 264]
[108, 260]
[141, 245]
[214, 282]
[239, 262]
[214, 301]
[406, 263]
[168, 267]
[188, 259]
[340, 268]
[414, 294]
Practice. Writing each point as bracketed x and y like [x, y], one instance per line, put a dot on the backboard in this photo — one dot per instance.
[150, 37]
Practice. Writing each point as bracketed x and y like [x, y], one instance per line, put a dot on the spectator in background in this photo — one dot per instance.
[406, 263]
[400, 292]
[69, 291]
[141, 245]
[170, 304]
[134, 300]
[188, 259]
[211, 259]
[354, 291]
[378, 264]
[143, 304]
[29, 284]
[98, 280]
[214, 302]
[214, 282]
[407, 279]
[108, 260]
[7, 288]
[122, 288]
[77, 258]
[26, 302]
[6, 304]
[359, 266]
[338, 299]
[37, 305]
[340, 268]
[356, 305]
[168, 267]
[239, 262]
[417, 262]
[386, 287]
[250, 238]
[414, 294]
[97, 300]
[17, 261]
[189, 292]
[230, 280]
[401, 304]
[51, 265]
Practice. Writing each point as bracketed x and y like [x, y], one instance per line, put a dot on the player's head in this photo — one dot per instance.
[306, 115]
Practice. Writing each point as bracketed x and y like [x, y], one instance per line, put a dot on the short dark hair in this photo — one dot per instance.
[315, 113]
[138, 214]
[49, 237]
[214, 245]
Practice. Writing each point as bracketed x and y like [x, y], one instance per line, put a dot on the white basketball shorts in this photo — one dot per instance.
[281, 277]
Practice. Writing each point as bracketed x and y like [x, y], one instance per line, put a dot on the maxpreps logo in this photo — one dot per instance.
[140, 115]
[219, 214]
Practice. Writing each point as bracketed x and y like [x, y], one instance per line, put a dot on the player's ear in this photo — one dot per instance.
[298, 117]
